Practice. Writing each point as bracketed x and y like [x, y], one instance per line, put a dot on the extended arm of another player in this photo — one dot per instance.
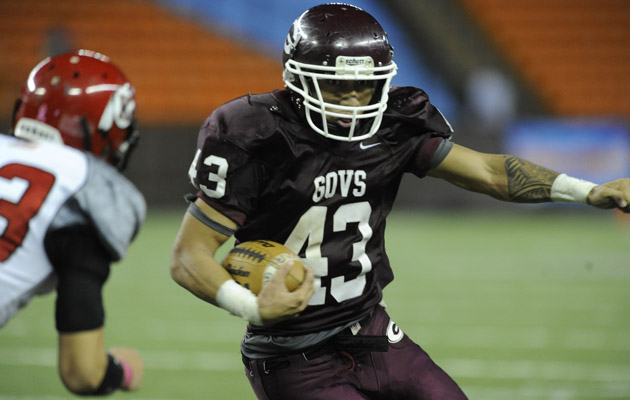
[511, 178]
[84, 364]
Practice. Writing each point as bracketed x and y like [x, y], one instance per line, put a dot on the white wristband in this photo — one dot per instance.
[239, 301]
[566, 189]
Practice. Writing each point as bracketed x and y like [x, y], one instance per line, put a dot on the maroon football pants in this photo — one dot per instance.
[405, 371]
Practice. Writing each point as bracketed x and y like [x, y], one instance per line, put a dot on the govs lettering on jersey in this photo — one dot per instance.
[328, 185]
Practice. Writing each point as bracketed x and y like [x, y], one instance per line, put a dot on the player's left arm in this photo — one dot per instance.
[614, 194]
[511, 178]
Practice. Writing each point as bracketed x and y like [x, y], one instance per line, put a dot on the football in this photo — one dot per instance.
[253, 263]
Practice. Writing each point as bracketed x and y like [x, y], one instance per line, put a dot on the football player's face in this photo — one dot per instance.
[352, 93]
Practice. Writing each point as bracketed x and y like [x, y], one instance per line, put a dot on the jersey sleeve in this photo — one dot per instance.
[429, 133]
[81, 274]
[412, 106]
[228, 176]
[110, 204]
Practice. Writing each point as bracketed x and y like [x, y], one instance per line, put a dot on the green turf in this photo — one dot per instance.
[532, 305]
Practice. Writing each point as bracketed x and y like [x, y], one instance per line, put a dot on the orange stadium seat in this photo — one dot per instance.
[576, 53]
[181, 69]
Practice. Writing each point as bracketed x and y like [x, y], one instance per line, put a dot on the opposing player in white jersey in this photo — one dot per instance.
[66, 211]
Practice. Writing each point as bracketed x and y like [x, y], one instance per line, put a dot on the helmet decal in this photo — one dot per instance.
[119, 109]
[293, 38]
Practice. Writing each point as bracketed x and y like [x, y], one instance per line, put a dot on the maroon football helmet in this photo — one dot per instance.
[341, 42]
[82, 100]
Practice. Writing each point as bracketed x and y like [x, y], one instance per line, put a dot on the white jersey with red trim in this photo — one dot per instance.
[47, 186]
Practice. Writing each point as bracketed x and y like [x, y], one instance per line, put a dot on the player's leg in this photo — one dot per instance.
[412, 374]
[405, 370]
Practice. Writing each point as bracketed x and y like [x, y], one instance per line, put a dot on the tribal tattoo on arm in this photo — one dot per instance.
[528, 182]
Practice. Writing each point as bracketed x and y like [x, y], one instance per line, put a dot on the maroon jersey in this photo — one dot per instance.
[259, 163]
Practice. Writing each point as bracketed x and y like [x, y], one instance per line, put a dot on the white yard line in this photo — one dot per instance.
[537, 370]
[155, 360]
[457, 367]
[532, 337]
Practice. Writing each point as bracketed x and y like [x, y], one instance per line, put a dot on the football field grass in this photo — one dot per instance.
[529, 305]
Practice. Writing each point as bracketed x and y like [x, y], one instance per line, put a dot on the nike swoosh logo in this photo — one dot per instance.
[367, 146]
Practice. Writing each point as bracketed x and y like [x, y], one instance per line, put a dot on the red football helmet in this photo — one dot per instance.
[82, 100]
[340, 42]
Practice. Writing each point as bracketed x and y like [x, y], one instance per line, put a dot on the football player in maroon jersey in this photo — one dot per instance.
[316, 166]
[66, 211]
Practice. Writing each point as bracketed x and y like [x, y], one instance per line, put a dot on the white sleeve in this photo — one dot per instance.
[110, 203]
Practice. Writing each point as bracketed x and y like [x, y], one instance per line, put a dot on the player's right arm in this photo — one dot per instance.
[193, 263]
[194, 267]
[228, 181]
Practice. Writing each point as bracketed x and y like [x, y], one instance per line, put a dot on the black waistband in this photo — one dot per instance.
[338, 343]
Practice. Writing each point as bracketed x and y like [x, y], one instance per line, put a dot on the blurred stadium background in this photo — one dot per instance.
[517, 302]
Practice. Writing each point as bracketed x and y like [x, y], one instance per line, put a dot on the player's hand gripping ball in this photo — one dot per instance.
[252, 264]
